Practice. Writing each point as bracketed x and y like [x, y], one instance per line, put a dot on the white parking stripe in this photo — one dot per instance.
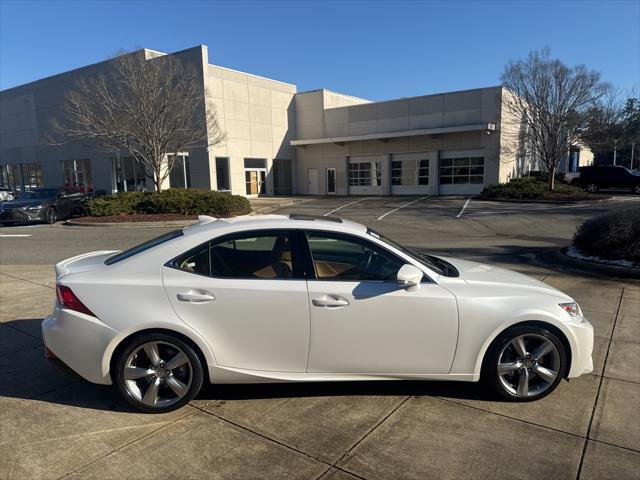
[14, 235]
[401, 206]
[345, 205]
[463, 207]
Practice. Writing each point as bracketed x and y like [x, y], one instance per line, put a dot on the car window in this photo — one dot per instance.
[339, 257]
[118, 257]
[263, 255]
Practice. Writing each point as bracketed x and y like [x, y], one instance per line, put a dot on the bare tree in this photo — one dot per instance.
[549, 99]
[153, 109]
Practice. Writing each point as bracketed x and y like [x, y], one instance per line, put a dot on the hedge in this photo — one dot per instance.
[613, 235]
[534, 188]
[186, 202]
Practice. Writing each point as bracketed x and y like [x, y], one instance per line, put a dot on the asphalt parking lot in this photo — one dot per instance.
[55, 425]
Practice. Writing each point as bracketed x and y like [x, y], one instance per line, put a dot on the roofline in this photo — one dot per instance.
[336, 93]
[252, 75]
[403, 133]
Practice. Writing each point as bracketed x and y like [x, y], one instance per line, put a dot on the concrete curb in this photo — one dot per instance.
[551, 202]
[613, 270]
[172, 223]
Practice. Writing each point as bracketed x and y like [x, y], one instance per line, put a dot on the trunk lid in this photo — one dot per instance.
[83, 263]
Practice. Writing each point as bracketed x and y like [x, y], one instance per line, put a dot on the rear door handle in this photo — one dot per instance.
[196, 296]
[330, 301]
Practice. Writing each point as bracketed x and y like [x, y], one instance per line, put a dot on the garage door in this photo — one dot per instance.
[410, 173]
[461, 173]
[366, 175]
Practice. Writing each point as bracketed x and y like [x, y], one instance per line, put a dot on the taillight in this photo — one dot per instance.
[67, 299]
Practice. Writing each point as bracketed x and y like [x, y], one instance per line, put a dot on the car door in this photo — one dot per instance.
[246, 295]
[362, 321]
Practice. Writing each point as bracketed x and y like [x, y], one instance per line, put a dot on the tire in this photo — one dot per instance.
[51, 216]
[592, 187]
[508, 381]
[152, 385]
[636, 189]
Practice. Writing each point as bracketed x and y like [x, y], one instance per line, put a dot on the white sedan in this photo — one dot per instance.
[302, 298]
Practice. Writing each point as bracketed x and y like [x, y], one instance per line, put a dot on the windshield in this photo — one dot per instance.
[143, 246]
[439, 266]
[44, 193]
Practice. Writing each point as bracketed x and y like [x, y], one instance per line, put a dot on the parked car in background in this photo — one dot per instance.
[595, 178]
[5, 194]
[42, 205]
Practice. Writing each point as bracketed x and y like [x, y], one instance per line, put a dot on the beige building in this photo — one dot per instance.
[281, 142]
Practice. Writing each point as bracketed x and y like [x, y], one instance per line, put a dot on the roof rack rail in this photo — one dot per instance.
[313, 218]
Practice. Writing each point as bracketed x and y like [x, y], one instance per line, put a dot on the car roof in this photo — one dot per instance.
[265, 222]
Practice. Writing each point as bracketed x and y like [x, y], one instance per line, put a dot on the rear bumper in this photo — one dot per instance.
[79, 341]
[581, 360]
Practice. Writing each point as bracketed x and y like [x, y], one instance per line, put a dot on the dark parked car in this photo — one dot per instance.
[42, 205]
[596, 178]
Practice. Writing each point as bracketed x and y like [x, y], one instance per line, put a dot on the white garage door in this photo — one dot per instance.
[410, 173]
[461, 173]
[366, 175]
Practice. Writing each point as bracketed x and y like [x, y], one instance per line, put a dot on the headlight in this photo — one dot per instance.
[35, 207]
[572, 308]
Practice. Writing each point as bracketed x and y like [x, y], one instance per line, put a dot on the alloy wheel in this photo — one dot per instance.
[592, 188]
[528, 365]
[51, 215]
[158, 374]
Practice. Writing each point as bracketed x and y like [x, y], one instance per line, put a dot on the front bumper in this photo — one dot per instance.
[19, 215]
[582, 348]
[79, 341]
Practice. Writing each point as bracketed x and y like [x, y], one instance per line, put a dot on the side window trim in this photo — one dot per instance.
[298, 273]
[348, 237]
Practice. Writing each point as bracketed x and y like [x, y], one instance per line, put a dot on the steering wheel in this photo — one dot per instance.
[365, 261]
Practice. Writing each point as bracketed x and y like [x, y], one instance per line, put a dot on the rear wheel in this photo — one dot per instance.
[158, 373]
[525, 363]
[636, 189]
[592, 187]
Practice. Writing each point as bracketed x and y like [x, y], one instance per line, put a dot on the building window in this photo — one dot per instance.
[222, 174]
[255, 163]
[410, 172]
[179, 176]
[463, 170]
[31, 175]
[77, 174]
[128, 175]
[10, 177]
[365, 174]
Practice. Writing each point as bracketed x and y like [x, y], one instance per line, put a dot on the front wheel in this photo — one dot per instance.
[525, 363]
[636, 189]
[158, 373]
[592, 187]
[51, 215]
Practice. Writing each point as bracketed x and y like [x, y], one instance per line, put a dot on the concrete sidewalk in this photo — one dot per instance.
[54, 424]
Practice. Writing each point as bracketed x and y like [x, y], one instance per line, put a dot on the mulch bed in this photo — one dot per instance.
[137, 217]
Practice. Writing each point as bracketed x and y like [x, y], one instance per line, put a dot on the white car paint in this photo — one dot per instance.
[265, 330]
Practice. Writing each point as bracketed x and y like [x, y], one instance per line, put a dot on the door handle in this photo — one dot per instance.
[196, 296]
[330, 301]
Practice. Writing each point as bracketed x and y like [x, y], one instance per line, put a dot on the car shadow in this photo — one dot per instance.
[28, 375]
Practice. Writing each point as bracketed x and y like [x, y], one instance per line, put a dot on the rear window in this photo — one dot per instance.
[118, 257]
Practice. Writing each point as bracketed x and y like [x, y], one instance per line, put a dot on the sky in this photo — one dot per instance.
[372, 49]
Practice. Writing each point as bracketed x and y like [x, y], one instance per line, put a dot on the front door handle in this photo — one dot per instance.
[330, 301]
[196, 296]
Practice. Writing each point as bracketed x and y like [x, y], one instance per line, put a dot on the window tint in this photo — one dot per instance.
[244, 256]
[336, 257]
[142, 247]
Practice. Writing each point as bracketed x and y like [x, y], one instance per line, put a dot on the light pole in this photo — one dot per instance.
[633, 147]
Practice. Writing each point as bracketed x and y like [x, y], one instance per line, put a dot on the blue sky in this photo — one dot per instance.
[376, 50]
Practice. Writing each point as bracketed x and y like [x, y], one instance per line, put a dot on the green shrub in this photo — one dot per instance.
[186, 202]
[612, 235]
[533, 188]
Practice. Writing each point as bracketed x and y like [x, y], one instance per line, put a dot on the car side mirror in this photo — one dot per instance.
[409, 277]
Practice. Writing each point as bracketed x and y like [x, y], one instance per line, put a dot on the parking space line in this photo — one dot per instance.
[401, 206]
[4, 235]
[463, 207]
[345, 205]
